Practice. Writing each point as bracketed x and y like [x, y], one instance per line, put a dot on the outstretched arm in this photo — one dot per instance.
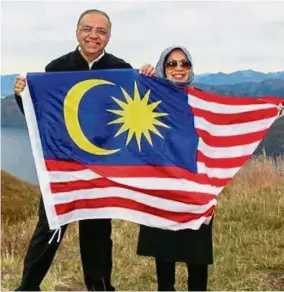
[19, 85]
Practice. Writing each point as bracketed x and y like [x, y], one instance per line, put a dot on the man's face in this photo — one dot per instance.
[93, 34]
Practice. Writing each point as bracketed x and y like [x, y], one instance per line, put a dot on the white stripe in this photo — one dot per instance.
[149, 200]
[65, 176]
[152, 183]
[217, 172]
[226, 152]
[132, 216]
[168, 184]
[220, 108]
[235, 129]
[41, 170]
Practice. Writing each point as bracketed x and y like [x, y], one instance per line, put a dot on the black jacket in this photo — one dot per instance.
[191, 246]
[74, 61]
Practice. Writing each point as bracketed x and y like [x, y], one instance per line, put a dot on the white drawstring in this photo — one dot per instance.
[54, 233]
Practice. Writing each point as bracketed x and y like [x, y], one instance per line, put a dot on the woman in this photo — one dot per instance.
[194, 247]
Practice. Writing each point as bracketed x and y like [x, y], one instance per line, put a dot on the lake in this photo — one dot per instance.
[16, 154]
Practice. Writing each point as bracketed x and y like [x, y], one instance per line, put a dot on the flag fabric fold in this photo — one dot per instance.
[116, 144]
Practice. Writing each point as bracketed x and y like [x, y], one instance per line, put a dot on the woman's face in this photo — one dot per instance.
[177, 66]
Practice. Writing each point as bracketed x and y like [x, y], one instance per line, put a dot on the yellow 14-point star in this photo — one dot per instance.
[138, 117]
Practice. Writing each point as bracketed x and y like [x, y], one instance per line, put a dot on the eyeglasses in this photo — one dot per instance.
[184, 64]
[89, 29]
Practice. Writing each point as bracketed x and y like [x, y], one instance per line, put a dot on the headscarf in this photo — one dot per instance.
[160, 72]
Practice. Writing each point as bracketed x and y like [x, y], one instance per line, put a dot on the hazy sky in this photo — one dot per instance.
[221, 36]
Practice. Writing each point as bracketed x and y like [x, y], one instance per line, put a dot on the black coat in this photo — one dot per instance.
[74, 61]
[192, 246]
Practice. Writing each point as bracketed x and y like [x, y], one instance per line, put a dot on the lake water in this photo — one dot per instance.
[16, 154]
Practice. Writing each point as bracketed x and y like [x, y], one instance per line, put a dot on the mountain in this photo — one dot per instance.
[273, 143]
[11, 116]
[19, 198]
[7, 84]
[220, 78]
[273, 87]
[237, 77]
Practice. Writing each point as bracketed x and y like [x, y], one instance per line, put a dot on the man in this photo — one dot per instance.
[93, 34]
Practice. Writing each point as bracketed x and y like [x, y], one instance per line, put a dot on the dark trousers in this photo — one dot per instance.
[96, 253]
[197, 276]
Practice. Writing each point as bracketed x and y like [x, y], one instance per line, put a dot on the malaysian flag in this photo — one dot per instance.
[116, 144]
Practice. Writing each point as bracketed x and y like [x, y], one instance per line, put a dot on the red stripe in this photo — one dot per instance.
[230, 141]
[273, 99]
[123, 170]
[194, 198]
[222, 162]
[63, 165]
[180, 217]
[235, 119]
[225, 100]
[135, 171]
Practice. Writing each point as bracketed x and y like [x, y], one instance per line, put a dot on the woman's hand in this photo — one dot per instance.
[147, 70]
[19, 84]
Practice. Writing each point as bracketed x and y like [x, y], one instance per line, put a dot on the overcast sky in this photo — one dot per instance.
[221, 36]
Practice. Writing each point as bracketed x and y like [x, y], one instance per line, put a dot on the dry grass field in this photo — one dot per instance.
[248, 238]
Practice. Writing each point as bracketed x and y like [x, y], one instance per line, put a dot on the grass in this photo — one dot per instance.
[248, 238]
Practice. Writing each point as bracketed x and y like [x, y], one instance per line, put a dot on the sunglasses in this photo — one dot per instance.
[184, 64]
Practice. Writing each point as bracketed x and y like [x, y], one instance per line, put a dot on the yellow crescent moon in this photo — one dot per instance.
[71, 107]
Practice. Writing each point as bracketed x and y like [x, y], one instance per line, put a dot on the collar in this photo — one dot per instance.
[94, 61]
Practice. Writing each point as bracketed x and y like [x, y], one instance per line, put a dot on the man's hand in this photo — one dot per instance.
[147, 70]
[281, 109]
[19, 84]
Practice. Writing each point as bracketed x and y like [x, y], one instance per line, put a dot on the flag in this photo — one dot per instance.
[116, 144]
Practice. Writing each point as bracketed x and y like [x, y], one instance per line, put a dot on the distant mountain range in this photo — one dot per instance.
[273, 143]
[245, 76]
[273, 87]
[11, 116]
[237, 77]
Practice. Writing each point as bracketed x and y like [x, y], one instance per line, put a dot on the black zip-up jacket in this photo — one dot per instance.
[74, 61]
